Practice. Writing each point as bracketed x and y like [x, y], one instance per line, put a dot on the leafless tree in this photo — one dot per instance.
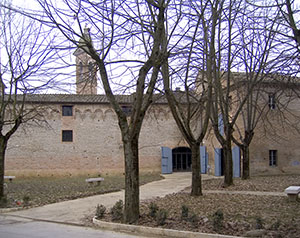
[228, 13]
[289, 20]
[258, 58]
[125, 43]
[267, 57]
[25, 56]
[188, 68]
[289, 15]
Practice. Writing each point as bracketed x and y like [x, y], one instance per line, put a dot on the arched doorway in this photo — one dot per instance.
[182, 159]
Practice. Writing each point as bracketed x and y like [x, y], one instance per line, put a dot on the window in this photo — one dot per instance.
[127, 109]
[221, 124]
[67, 135]
[67, 110]
[91, 67]
[272, 102]
[273, 157]
[80, 71]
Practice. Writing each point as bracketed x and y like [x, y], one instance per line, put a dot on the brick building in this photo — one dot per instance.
[80, 135]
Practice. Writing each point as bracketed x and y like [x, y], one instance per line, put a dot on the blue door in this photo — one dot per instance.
[236, 160]
[218, 162]
[203, 159]
[166, 160]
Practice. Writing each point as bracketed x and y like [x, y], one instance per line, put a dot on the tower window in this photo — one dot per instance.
[67, 135]
[91, 66]
[272, 102]
[67, 110]
[127, 109]
[273, 157]
[80, 71]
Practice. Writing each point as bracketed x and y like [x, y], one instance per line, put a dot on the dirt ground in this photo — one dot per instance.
[37, 191]
[266, 216]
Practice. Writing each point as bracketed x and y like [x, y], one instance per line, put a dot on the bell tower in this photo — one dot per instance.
[86, 69]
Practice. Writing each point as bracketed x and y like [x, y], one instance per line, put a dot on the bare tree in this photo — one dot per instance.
[266, 57]
[228, 13]
[258, 59]
[25, 52]
[288, 13]
[191, 107]
[125, 43]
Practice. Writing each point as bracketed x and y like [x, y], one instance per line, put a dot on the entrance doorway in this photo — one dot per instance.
[222, 162]
[219, 162]
[182, 159]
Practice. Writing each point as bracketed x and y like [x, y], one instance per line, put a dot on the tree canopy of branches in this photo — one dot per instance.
[25, 54]
[197, 45]
[126, 47]
[191, 108]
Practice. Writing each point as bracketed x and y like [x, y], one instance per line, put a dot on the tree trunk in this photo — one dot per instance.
[246, 162]
[246, 153]
[131, 209]
[196, 170]
[3, 145]
[228, 173]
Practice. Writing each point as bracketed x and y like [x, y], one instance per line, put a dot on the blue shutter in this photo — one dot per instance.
[203, 159]
[218, 163]
[236, 159]
[221, 124]
[166, 160]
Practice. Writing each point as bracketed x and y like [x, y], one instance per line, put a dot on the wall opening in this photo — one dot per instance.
[182, 159]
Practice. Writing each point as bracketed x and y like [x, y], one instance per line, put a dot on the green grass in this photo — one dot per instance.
[45, 190]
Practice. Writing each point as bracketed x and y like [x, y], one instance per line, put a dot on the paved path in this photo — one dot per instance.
[75, 211]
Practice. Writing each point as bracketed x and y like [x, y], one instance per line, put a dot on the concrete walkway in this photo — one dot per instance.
[75, 211]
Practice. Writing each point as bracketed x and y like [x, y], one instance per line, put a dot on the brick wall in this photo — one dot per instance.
[96, 146]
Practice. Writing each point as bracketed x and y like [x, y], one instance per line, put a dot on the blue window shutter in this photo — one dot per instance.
[221, 124]
[236, 159]
[166, 160]
[206, 159]
[203, 159]
[218, 165]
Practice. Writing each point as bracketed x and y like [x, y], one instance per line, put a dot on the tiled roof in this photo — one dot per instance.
[83, 99]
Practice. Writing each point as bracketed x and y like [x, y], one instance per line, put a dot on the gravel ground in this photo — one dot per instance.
[267, 216]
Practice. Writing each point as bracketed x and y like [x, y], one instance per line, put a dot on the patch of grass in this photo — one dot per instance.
[45, 190]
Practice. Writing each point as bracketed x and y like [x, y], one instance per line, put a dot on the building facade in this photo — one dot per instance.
[79, 134]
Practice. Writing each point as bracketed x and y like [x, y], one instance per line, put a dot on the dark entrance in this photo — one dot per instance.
[182, 159]
[222, 162]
